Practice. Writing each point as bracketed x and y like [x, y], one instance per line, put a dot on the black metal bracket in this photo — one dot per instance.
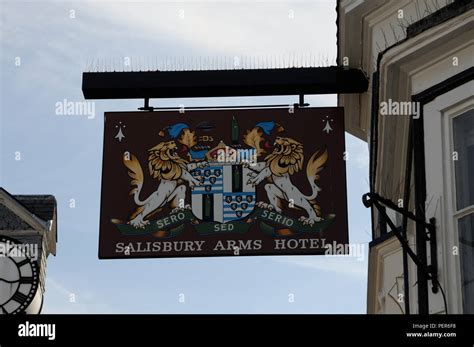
[147, 107]
[301, 102]
[431, 271]
[223, 83]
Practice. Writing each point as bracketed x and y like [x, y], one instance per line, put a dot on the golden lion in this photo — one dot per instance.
[285, 160]
[166, 166]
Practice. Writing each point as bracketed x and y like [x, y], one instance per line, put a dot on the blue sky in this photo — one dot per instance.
[62, 155]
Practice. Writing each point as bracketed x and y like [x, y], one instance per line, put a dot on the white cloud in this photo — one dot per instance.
[58, 300]
[358, 152]
[343, 265]
[229, 28]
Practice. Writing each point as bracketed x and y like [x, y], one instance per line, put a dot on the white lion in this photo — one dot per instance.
[285, 160]
[166, 166]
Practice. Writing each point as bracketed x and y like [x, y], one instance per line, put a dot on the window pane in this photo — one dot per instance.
[463, 127]
[466, 240]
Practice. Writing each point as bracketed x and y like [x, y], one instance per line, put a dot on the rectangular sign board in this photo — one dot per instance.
[223, 183]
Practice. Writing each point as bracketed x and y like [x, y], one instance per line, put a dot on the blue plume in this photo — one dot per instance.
[175, 129]
[267, 127]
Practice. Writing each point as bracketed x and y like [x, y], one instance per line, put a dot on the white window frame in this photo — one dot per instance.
[468, 210]
[438, 124]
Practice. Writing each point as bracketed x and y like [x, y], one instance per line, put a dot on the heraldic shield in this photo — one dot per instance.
[225, 194]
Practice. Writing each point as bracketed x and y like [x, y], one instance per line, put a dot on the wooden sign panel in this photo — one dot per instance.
[223, 182]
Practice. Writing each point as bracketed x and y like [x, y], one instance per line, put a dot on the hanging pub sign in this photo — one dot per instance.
[223, 182]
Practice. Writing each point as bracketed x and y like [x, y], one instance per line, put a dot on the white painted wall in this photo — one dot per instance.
[407, 69]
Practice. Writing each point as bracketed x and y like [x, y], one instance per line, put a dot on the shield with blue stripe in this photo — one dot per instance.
[224, 195]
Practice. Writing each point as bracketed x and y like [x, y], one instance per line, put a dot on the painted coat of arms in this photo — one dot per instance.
[206, 176]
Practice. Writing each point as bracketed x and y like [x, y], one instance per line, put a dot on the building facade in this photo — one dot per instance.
[28, 235]
[418, 120]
